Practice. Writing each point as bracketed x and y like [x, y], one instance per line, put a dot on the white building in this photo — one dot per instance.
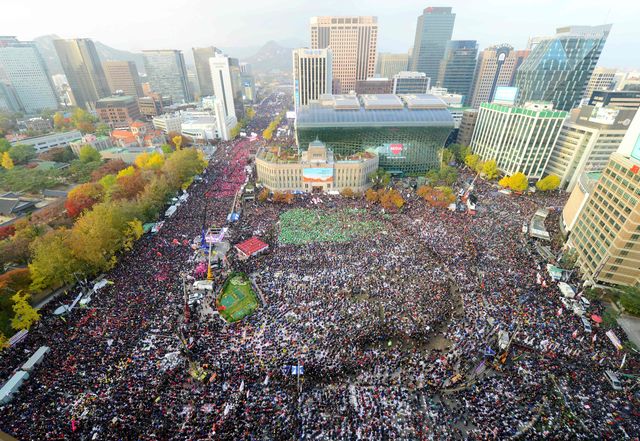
[168, 122]
[97, 142]
[520, 139]
[602, 78]
[312, 74]
[47, 142]
[411, 83]
[224, 123]
[223, 87]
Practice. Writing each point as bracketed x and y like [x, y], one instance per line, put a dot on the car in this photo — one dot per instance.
[585, 301]
[586, 324]
[613, 380]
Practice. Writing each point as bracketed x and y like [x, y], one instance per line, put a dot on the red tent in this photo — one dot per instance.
[251, 247]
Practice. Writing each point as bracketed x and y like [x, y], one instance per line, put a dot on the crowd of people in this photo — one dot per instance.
[390, 336]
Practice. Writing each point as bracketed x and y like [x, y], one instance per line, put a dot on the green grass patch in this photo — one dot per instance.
[301, 226]
[238, 298]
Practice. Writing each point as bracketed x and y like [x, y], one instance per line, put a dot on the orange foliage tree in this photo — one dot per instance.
[83, 197]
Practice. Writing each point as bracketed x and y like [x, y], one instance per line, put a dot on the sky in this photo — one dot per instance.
[181, 24]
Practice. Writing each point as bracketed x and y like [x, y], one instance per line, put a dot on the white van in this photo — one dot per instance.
[585, 301]
[586, 324]
[613, 380]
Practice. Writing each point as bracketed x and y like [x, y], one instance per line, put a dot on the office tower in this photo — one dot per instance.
[606, 232]
[458, 66]
[617, 99]
[248, 83]
[8, 99]
[353, 42]
[201, 57]
[558, 68]
[122, 76]
[520, 139]
[83, 70]
[588, 137]
[467, 125]
[496, 67]
[374, 86]
[629, 82]
[390, 64]
[24, 69]
[411, 83]
[225, 75]
[167, 74]
[118, 111]
[312, 74]
[433, 32]
[601, 79]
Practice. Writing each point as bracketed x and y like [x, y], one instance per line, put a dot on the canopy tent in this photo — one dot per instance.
[251, 247]
[566, 290]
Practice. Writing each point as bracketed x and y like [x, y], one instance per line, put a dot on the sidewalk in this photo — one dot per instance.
[631, 326]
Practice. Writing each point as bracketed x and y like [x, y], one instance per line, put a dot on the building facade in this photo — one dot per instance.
[354, 44]
[458, 66]
[467, 125]
[314, 170]
[312, 74]
[118, 111]
[496, 67]
[123, 77]
[411, 83]
[26, 72]
[390, 64]
[51, 140]
[406, 134]
[588, 137]
[617, 99]
[558, 68]
[602, 78]
[83, 69]
[201, 57]
[433, 32]
[167, 74]
[374, 86]
[225, 75]
[520, 139]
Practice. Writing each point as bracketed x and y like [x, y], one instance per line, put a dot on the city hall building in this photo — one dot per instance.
[315, 170]
[406, 132]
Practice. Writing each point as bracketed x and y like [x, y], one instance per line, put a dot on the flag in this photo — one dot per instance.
[222, 308]
[575, 334]
[559, 313]
[593, 339]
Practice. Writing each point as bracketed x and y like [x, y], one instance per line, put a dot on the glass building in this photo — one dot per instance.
[406, 133]
[559, 67]
[458, 66]
[167, 74]
[433, 31]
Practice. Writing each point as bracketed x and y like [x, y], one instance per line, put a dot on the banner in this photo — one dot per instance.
[614, 339]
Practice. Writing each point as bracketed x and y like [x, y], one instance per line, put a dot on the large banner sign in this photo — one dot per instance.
[318, 175]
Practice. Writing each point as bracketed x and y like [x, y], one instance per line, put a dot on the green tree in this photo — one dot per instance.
[22, 154]
[102, 130]
[630, 300]
[83, 120]
[4, 145]
[548, 183]
[472, 161]
[447, 156]
[53, 263]
[88, 154]
[7, 162]
[24, 314]
[251, 113]
[380, 178]
[490, 169]
[166, 149]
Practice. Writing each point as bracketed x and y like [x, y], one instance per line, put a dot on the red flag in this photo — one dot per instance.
[222, 308]
[635, 169]
[575, 334]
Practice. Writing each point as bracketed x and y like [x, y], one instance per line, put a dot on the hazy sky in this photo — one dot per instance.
[162, 24]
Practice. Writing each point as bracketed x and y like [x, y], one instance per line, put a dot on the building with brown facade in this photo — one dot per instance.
[123, 77]
[118, 111]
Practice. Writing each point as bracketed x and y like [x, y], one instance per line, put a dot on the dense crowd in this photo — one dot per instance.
[397, 333]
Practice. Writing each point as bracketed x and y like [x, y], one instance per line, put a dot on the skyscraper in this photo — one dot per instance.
[225, 75]
[458, 66]
[167, 74]
[559, 67]
[353, 42]
[123, 76]
[433, 31]
[201, 57]
[26, 72]
[496, 67]
[601, 79]
[410, 83]
[312, 75]
[390, 64]
[83, 70]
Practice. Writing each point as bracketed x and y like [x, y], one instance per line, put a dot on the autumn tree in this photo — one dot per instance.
[150, 161]
[7, 231]
[128, 186]
[504, 182]
[472, 161]
[83, 120]
[52, 260]
[83, 197]
[490, 169]
[177, 141]
[7, 162]
[371, 195]
[391, 199]
[263, 195]
[88, 154]
[518, 182]
[347, 193]
[548, 183]
[112, 166]
[24, 314]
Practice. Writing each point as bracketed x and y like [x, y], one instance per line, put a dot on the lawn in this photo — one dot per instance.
[301, 226]
[237, 297]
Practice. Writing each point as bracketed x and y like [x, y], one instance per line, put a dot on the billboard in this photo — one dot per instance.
[603, 115]
[396, 149]
[505, 95]
[317, 175]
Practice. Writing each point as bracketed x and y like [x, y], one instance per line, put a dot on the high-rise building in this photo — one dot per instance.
[201, 57]
[118, 111]
[606, 233]
[8, 99]
[496, 67]
[83, 70]
[602, 78]
[467, 124]
[433, 32]
[167, 74]
[354, 44]
[374, 86]
[312, 74]
[122, 76]
[618, 99]
[520, 139]
[390, 64]
[558, 68]
[458, 66]
[588, 137]
[410, 83]
[248, 83]
[22, 66]
[225, 75]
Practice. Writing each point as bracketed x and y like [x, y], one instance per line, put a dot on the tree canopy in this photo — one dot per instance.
[548, 183]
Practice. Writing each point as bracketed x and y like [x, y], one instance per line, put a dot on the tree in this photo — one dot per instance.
[166, 149]
[347, 193]
[548, 183]
[4, 342]
[504, 182]
[251, 113]
[110, 167]
[88, 154]
[177, 141]
[129, 171]
[83, 120]
[83, 197]
[4, 145]
[447, 156]
[58, 154]
[282, 198]
[21, 154]
[24, 314]
[102, 130]
[53, 263]
[59, 122]
[128, 186]
[263, 195]
[7, 162]
[7, 231]
[518, 182]
[391, 200]
[184, 140]
[630, 300]
[568, 259]
[235, 131]
[490, 169]
[472, 161]
[371, 195]
[380, 178]
[267, 133]
[153, 161]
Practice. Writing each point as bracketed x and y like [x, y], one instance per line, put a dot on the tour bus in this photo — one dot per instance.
[613, 380]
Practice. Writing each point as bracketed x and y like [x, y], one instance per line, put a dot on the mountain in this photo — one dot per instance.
[48, 52]
[271, 57]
